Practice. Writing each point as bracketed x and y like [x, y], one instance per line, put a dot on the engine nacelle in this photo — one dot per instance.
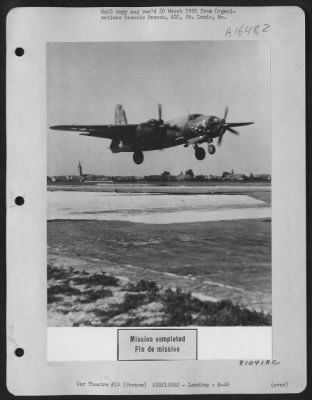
[117, 146]
[114, 146]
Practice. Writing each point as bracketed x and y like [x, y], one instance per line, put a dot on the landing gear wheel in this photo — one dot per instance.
[211, 149]
[138, 157]
[200, 153]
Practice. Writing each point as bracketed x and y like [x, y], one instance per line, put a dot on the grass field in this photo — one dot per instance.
[215, 261]
[79, 298]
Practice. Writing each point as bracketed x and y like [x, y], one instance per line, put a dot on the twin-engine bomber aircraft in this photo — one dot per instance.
[156, 134]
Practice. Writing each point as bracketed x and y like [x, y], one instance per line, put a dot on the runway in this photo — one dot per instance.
[225, 188]
[154, 208]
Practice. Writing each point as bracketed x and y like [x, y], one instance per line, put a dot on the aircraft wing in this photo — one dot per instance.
[100, 131]
[195, 140]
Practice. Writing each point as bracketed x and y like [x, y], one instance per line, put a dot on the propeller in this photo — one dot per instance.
[159, 121]
[225, 113]
[161, 125]
[220, 139]
[160, 114]
[228, 126]
[223, 125]
[232, 131]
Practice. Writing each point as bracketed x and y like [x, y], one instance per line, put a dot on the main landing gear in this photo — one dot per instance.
[138, 157]
[200, 153]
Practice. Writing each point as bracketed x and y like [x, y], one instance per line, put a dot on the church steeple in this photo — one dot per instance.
[80, 168]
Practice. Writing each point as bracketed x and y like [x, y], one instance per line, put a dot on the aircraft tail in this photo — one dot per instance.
[120, 115]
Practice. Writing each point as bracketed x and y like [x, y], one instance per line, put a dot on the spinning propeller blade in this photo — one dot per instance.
[232, 130]
[225, 113]
[160, 113]
[228, 126]
[220, 139]
[161, 125]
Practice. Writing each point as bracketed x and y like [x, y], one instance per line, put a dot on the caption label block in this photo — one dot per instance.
[156, 344]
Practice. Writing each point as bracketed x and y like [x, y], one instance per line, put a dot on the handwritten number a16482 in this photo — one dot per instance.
[247, 30]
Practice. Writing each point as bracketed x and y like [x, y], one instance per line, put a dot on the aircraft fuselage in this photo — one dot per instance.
[155, 134]
[152, 136]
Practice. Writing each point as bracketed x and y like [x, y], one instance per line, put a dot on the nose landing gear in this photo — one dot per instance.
[211, 149]
[138, 157]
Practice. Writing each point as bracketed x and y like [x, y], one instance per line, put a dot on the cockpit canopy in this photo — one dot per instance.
[213, 119]
[152, 122]
[191, 117]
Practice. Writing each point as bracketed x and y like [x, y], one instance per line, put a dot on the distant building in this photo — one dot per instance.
[76, 178]
[200, 178]
[184, 177]
[262, 177]
[124, 179]
[64, 178]
[61, 178]
[153, 178]
[226, 176]
[213, 177]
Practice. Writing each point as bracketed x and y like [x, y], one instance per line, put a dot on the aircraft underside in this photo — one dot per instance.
[156, 134]
[138, 155]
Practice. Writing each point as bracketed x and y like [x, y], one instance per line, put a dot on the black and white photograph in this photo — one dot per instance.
[159, 184]
[156, 200]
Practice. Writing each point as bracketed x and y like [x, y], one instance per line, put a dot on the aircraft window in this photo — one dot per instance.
[213, 119]
[193, 116]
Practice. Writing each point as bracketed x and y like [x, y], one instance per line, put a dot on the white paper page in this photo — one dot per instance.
[160, 154]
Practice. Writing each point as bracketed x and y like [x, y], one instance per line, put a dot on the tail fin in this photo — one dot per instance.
[120, 115]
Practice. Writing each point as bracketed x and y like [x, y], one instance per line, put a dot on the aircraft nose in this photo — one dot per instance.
[214, 120]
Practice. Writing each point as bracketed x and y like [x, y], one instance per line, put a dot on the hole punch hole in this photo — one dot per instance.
[19, 51]
[19, 352]
[19, 200]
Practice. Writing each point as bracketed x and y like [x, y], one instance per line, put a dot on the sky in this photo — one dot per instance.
[86, 80]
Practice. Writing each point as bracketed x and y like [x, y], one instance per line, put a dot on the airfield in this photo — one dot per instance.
[153, 205]
[213, 241]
